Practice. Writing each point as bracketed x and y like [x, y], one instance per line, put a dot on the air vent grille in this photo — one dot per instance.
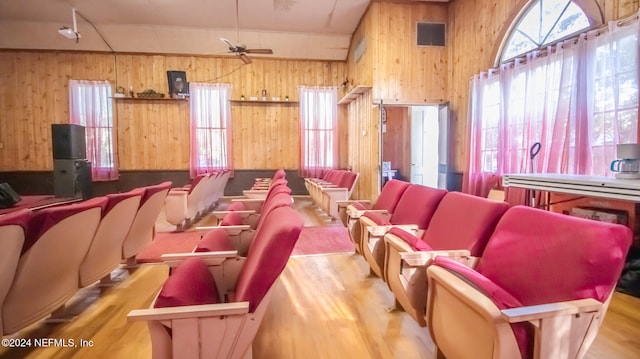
[431, 34]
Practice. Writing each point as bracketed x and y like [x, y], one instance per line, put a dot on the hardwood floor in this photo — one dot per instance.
[323, 307]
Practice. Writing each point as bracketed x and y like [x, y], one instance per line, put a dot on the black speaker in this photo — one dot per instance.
[8, 197]
[72, 178]
[68, 142]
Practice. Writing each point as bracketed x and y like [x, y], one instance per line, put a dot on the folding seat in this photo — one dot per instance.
[460, 227]
[263, 183]
[141, 232]
[260, 191]
[105, 252]
[13, 227]
[214, 311]
[277, 186]
[330, 196]
[386, 203]
[330, 179]
[183, 205]
[413, 213]
[56, 242]
[540, 290]
[240, 234]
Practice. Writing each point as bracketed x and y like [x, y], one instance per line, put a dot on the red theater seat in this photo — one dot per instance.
[540, 290]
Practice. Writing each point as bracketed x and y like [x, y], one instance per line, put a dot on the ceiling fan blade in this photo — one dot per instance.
[245, 59]
[232, 47]
[259, 51]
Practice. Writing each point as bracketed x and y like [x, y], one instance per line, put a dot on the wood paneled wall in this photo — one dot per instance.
[475, 31]
[364, 148]
[154, 135]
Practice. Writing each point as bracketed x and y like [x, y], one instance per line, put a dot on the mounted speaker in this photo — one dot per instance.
[68, 142]
[8, 197]
[431, 34]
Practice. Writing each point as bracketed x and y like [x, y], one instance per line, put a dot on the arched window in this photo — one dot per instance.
[546, 21]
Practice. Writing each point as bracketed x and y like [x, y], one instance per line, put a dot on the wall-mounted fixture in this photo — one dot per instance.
[71, 34]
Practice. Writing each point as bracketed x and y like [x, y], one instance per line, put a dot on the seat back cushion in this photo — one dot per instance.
[115, 198]
[42, 220]
[279, 200]
[268, 255]
[417, 205]
[237, 206]
[215, 240]
[463, 221]
[190, 283]
[542, 257]
[501, 298]
[151, 190]
[390, 195]
[231, 219]
[347, 180]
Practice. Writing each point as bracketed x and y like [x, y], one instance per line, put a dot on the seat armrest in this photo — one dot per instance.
[189, 312]
[417, 259]
[231, 230]
[379, 231]
[542, 311]
[243, 214]
[357, 213]
[210, 258]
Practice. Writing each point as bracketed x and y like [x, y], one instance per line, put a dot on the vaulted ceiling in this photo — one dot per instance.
[299, 29]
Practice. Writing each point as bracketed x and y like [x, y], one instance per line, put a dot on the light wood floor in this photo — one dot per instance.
[323, 307]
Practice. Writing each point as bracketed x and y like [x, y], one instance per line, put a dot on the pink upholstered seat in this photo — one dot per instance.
[255, 204]
[260, 192]
[414, 210]
[386, 202]
[461, 225]
[562, 270]
[104, 254]
[141, 232]
[13, 227]
[224, 313]
[329, 197]
[56, 242]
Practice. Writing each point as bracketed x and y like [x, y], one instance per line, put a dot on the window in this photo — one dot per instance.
[210, 128]
[545, 22]
[319, 129]
[578, 98]
[90, 105]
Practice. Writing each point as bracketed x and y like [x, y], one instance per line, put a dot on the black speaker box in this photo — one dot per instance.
[68, 142]
[72, 178]
[8, 197]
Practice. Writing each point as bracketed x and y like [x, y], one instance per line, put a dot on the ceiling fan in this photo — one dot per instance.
[240, 49]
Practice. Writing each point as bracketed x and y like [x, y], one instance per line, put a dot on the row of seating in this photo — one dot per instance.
[488, 280]
[185, 205]
[47, 255]
[261, 185]
[335, 187]
[212, 304]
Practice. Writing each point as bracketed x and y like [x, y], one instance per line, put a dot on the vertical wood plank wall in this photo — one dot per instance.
[154, 135]
[363, 145]
[475, 31]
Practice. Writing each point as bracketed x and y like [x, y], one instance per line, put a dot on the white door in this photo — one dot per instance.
[425, 144]
[443, 145]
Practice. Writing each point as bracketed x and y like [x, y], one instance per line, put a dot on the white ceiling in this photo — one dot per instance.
[304, 29]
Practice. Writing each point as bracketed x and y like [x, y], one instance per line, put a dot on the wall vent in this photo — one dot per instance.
[431, 34]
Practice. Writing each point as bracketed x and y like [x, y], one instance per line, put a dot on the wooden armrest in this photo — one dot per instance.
[344, 203]
[379, 231]
[192, 311]
[419, 259]
[210, 258]
[178, 191]
[249, 200]
[334, 189]
[259, 191]
[536, 312]
[232, 230]
[243, 214]
[357, 213]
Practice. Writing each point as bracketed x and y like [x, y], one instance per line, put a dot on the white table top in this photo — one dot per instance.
[592, 186]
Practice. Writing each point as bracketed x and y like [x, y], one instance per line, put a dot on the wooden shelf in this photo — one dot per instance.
[353, 94]
[149, 99]
[263, 102]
